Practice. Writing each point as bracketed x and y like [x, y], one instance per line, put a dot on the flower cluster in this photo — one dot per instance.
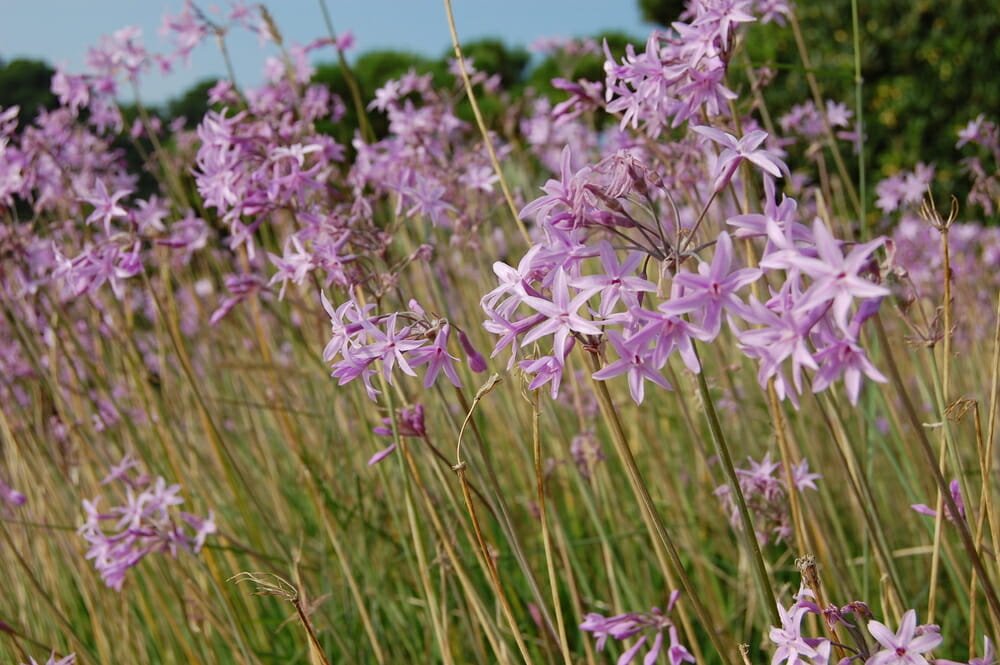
[576, 285]
[984, 135]
[653, 623]
[409, 422]
[910, 644]
[765, 489]
[402, 340]
[428, 164]
[147, 522]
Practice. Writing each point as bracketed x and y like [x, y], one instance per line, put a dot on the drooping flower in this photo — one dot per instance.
[955, 489]
[653, 624]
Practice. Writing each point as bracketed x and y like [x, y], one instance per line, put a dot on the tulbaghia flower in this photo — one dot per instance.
[409, 422]
[906, 646]
[713, 289]
[10, 495]
[146, 523]
[361, 338]
[793, 648]
[735, 151]
[956, 494]
[635, 361]
[562, 314]
[838, 278]
[240, 287]
[105, 205]
[680, 75]
[766, 490]
[65, 660]
[653, 624]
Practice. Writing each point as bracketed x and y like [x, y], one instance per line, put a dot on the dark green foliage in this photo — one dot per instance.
[928, 68]
[590, 66]
[494, 57]
[662, 12]
[26, 83]
[192, 104]
[371, 71]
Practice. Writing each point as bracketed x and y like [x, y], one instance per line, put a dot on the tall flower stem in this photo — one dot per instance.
[416, 533]
[481, 123]
[536, 439]
[817, 96]
[749, 534]
[859, 119]
[461, 469]
[349, 78]
[651, 517]
[928, 450]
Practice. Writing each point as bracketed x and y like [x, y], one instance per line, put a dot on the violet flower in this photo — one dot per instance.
[653, 624]
[906, 646]
[146, 523]
[11, 495]
[955, 488]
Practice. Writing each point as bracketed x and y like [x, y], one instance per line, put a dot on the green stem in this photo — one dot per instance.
[859, 119]
[652, 517]
[925, 445]
[749, 534]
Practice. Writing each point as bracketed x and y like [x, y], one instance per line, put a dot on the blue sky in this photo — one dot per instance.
[60, 31]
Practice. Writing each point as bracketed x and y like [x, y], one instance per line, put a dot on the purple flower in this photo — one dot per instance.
[906, 646]
[837, 277]
[390, 346]
[437, 358]
[562, 315]
[106, 205]
[844, 356]
[622, 627]
[793, 648]
[955, 488]
[736, 150]
[146, 523]
[616, 282]
[633, 360]
[713, 288]
[766, 491]
[11, 495]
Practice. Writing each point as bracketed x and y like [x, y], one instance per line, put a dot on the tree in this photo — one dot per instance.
[192, 104]
[661, 12]
[492, 56]
[27, 84]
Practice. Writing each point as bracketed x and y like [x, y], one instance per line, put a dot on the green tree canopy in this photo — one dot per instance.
[26, 83]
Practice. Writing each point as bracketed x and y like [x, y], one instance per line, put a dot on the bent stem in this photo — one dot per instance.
[749, 534]
[460, 469]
